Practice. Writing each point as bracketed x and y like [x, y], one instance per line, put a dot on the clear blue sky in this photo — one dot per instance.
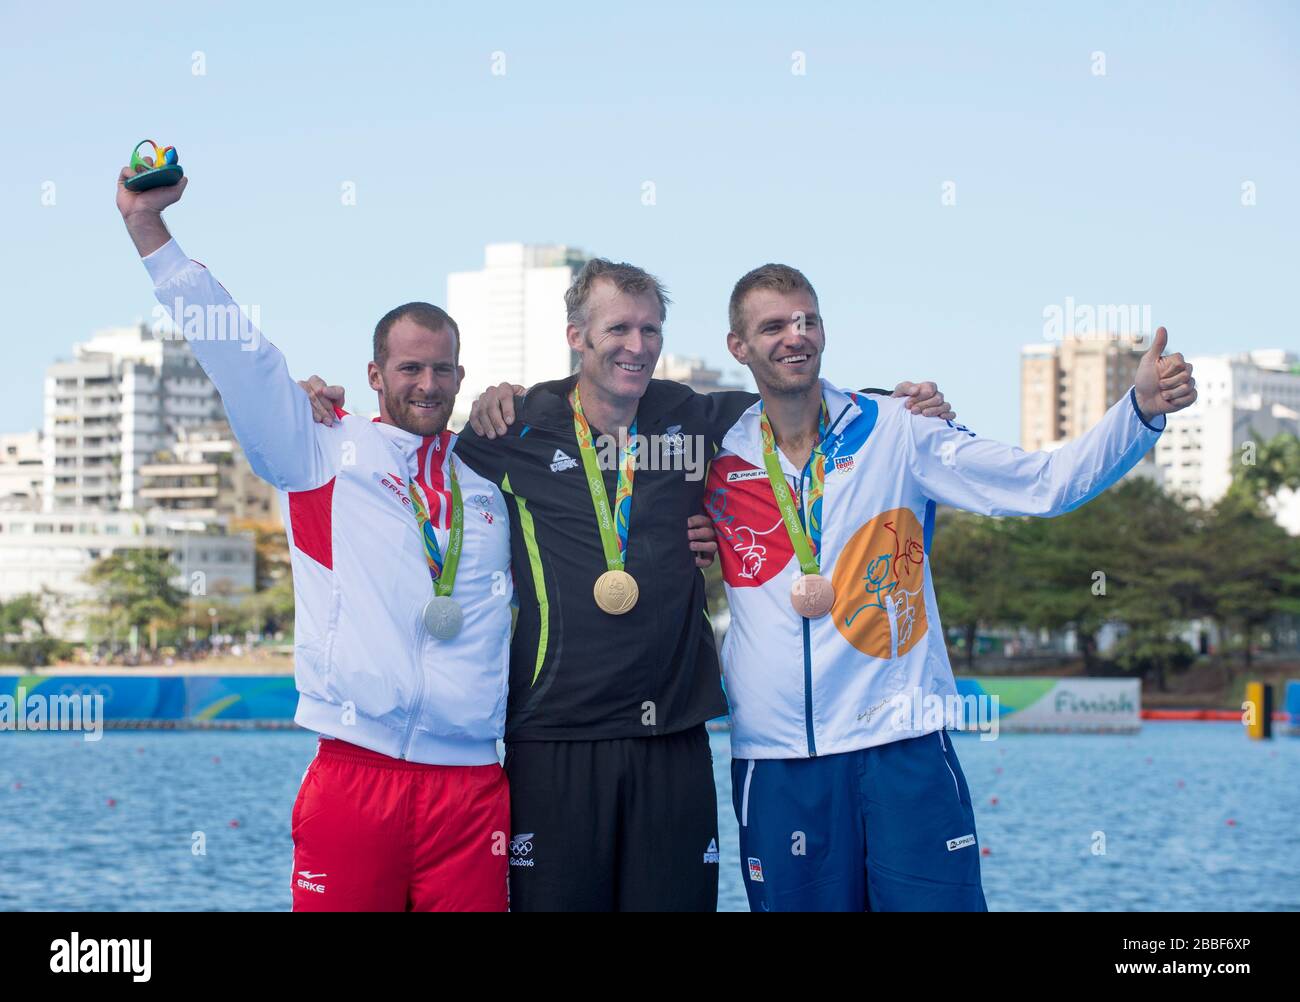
[1123, 188]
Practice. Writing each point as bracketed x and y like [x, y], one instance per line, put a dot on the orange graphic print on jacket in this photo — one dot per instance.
[880, 574]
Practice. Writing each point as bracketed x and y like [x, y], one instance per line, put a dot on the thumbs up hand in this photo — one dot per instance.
[1164, 382]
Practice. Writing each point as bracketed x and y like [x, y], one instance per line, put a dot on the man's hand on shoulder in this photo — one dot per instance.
[924, 399]
[323, 399]
[492, 414]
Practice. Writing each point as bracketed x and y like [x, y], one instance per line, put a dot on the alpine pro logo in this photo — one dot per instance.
[711, 853]
[960, 843]
[521, 850]
[562, 461]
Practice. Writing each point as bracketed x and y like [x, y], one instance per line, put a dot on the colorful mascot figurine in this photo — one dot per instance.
[156, 171]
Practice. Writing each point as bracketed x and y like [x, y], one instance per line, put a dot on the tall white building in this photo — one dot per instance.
[1239, 398]
[125, 394]
[511, 317]
[22, 470]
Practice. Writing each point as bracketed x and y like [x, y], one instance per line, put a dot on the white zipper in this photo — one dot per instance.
[744, 797]
[943, 746]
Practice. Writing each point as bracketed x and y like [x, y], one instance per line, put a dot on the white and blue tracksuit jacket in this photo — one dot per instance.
[798, 687]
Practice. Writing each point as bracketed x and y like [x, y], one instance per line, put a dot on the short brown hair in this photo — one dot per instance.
[428, 316]
[778, 277]
[626, 278]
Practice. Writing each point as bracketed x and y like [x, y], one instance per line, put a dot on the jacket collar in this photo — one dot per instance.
[409, 444]
[745, 438]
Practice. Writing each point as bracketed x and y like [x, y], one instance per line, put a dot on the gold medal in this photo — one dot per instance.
[812, 595]
[616, 592]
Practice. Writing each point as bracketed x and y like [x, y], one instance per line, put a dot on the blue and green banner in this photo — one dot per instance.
[180, 698]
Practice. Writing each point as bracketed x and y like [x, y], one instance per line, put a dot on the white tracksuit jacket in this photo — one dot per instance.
[800, 687]
[367, 670]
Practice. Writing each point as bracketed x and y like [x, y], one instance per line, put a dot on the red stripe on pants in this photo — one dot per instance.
[373, 833]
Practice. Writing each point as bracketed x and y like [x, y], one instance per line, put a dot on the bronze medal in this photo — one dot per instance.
[812, 595]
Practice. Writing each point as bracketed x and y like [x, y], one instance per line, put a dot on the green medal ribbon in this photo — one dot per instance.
[443, 571]
[613, 526]
[806, 551]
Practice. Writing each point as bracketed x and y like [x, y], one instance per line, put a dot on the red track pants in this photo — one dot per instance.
[373, 833]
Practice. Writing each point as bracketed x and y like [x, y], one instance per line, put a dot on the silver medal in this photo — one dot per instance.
[443, 617]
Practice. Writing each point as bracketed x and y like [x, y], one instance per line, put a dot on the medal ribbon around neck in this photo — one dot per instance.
[443, 571]
[806, 551]
[613, 531]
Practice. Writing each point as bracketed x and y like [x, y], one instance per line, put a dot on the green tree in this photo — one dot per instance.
[973, 571]
[1252, 567]
[134, 589]
[1063, 570]
[21, 611]
[1276, 465]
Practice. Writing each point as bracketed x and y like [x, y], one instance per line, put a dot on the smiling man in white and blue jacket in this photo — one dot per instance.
[824, 504]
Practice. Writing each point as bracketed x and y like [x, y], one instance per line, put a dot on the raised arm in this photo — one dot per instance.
[956, 467]
[269, 413]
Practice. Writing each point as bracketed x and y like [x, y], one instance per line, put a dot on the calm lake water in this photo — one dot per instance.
[1195, 817]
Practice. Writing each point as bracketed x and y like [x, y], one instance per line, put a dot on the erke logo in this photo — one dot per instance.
[395, 486]
[306, 880]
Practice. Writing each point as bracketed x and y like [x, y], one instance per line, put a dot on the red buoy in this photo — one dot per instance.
[994, 801]
[112, 802]
[234, 824]
[985, 851]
